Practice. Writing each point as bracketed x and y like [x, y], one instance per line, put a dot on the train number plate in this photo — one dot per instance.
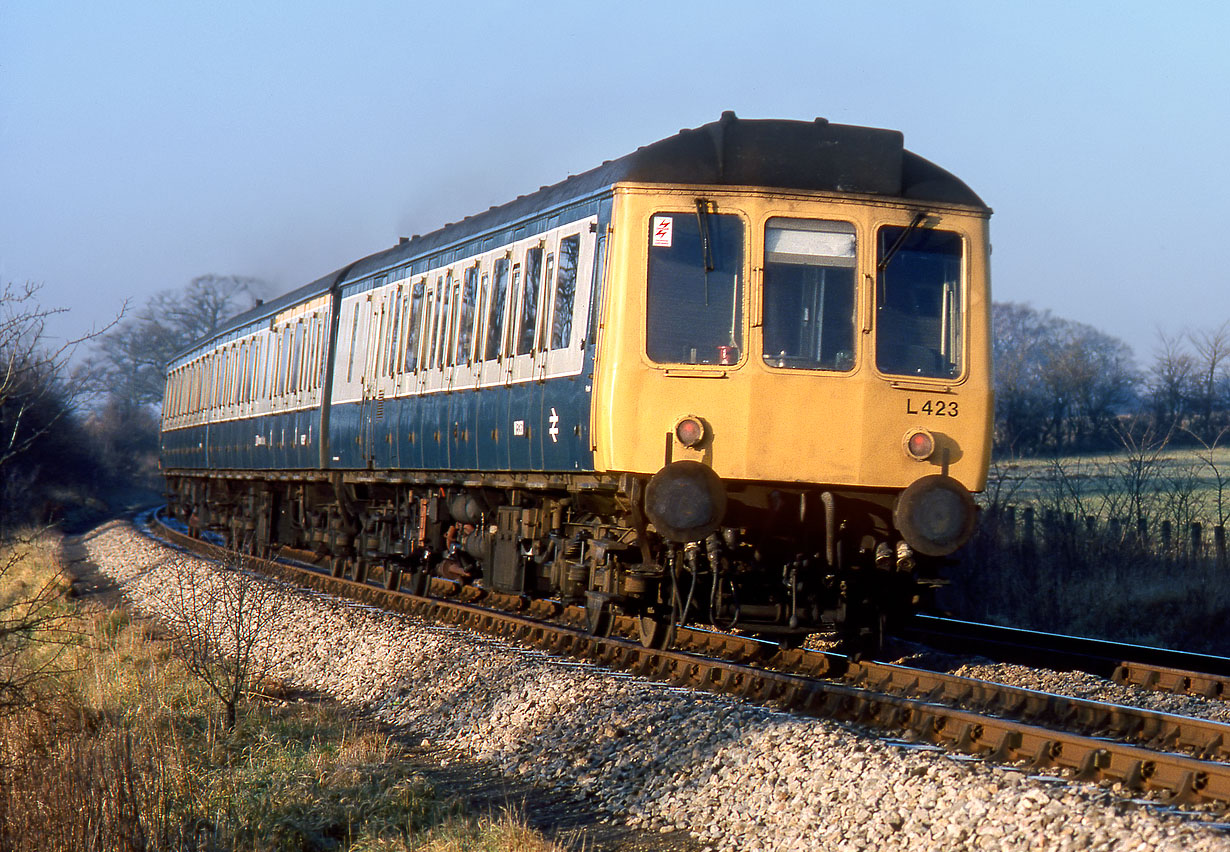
[932, 407]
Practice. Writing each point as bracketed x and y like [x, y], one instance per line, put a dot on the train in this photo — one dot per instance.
[739, 378]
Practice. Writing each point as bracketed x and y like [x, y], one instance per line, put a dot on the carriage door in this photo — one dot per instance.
[371, 409]
[565, 405]
[545, 301]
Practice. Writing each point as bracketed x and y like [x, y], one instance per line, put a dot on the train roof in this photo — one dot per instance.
[777, 153]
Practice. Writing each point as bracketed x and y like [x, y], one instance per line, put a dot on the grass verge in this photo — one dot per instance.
[119, 748]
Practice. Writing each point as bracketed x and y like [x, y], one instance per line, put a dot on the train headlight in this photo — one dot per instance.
[919, 444]
[690, 431]
[686, 501]
[935, 515]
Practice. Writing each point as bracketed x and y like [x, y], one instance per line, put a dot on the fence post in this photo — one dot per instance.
[1010, 523]
[1219, 540]
[1142, 530]
[1197, 534]
[1028, 515]
[1166, 536]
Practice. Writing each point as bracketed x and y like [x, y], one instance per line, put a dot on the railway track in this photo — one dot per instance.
[1148, 667]
[1182, 757]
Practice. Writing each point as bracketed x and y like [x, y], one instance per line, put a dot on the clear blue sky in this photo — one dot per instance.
[142, 144]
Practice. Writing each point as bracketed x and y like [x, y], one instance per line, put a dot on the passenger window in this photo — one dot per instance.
[809, 294]
[354, 333]
[448, 335]
[529, 300]
[396, 309]
[432, 315]
[918, 302]
[416, 323]
[293, 381]
[375, 349]
[510, 343]
[442, 320]
[495, 315]
[484, 298]
[466, 311]
[565, 292]
[595, 293]
[245, 387]
[543, 319]
[694, 289]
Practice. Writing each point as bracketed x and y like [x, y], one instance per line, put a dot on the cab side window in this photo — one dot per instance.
[695, 288]
[919, 324]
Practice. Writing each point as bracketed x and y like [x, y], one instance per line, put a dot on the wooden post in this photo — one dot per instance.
[1219, 541]
[1197, 535]
[1166, 535]
[1028, 514]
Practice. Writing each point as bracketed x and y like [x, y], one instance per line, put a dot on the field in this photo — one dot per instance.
[1180, 485]
[1127, 546]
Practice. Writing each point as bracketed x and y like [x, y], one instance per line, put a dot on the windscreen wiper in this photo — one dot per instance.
[900, 241]
[702, 222]
[706, 245]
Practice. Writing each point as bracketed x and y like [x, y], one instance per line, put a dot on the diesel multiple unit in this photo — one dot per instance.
[739, 377]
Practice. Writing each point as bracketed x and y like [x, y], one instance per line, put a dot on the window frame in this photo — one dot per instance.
[680, 209]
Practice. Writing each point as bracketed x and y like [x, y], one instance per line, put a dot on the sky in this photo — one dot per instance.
[143, 144]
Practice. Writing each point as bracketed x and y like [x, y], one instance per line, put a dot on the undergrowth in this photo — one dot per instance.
[119, 748]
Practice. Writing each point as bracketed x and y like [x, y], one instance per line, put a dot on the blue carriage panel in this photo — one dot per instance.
[221, 433]
[309, 449]
[409, 439]
[384, 429]
[493, 429]
[462, 440]
[524, 420]
[284, 436]
[433, 431]
[565, 441]
[262, 438]
[244, 443]
[345, 436]
[294, 439]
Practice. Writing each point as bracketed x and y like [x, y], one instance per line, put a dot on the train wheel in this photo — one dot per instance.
[392, 578]
[864, 639]
[656, 633]
[418, 583]
[598, 619]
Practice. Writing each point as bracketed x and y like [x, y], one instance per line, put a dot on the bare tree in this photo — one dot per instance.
[1212, 355]
[135, 354]
[1221, 475]
[1058, 384]
[41, 445]
[1138, 469]
[221, 619]
[1171, 382]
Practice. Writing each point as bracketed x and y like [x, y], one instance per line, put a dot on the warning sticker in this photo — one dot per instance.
[663, 231]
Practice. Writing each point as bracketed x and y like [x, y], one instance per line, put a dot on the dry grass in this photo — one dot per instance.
[123, 750]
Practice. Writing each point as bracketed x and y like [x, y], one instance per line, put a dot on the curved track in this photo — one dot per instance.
[1142, 750]
[1149, 667]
